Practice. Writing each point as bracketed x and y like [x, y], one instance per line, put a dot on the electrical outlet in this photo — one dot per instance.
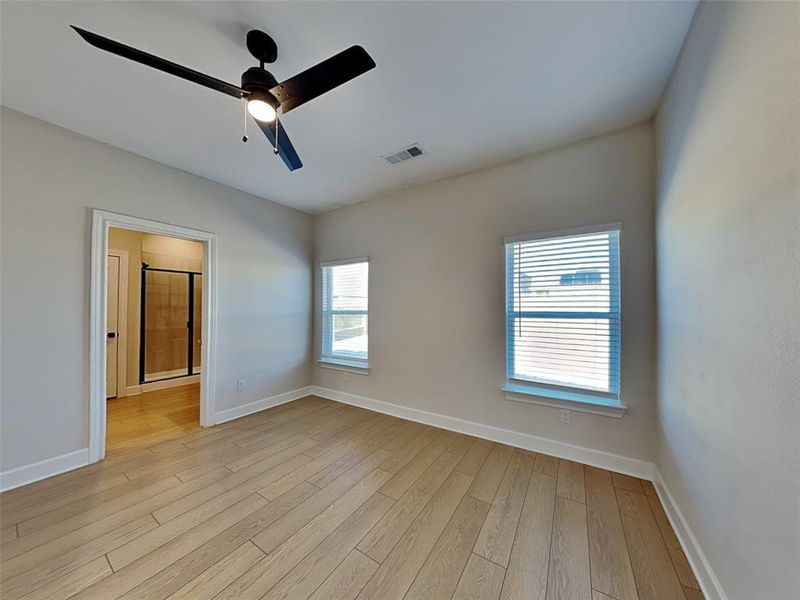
[565, 416]
[346, 375]
[241, 384]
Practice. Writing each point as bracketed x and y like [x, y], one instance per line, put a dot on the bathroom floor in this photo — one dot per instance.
[152, 416]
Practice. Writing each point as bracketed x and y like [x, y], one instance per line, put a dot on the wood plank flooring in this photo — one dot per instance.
[152, 416]
[320, 500]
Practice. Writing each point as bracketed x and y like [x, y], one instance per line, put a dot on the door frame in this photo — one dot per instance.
[101, 221]
[122, 322]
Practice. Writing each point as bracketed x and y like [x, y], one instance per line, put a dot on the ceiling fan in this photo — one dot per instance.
[263, 93]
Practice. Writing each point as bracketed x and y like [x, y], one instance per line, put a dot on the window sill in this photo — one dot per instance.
[351, 366]
[577, 401]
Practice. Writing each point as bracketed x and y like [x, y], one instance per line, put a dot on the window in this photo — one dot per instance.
[345, 312]
[563, 315]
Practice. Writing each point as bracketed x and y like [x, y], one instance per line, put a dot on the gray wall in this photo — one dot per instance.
[51, 178]
[436, 285]
[729, 293]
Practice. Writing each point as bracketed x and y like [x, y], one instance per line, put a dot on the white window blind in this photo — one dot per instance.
[563, 312]
[345, 314]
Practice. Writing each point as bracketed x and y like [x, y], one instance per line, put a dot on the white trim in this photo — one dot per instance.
[344, 261]
[543, 235]
[101, 221]
[42, 469]
[603, 407]
[340, 365]
[709, 583]
[174, 374]
[589, 456]
[253, 407]
[152, 386]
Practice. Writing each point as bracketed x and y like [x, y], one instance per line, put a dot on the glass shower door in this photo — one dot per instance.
[171, 324]
[197, 321]
[164, 353]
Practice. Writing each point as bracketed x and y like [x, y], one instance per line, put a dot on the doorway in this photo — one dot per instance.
[159, 297]
[152, 330]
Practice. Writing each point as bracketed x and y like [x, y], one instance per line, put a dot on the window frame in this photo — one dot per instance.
[566, 396]
[346, 361]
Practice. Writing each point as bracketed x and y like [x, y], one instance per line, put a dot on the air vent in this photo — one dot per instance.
[405, 154]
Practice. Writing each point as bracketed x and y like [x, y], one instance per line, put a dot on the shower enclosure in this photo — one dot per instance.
[170, 326]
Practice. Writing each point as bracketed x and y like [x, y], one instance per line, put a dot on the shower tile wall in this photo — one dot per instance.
[167, 312]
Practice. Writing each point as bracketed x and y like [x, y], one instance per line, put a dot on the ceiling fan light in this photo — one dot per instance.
[261, 110]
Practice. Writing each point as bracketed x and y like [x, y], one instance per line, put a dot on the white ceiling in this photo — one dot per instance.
[474, 83]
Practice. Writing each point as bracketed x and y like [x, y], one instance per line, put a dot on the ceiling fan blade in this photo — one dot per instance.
[285, 147]
[321, 78]
[98, 41]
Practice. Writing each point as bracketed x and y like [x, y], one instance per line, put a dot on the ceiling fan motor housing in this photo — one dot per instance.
[261, 81]
[262, 46]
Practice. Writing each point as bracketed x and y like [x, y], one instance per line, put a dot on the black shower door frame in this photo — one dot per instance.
[189, 324]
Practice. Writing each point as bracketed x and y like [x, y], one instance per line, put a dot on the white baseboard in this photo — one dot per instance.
[152, 386]
[174, 374]
[14, 478]
[253, 407]
[709, 584]
[49, 467]
[589, 456]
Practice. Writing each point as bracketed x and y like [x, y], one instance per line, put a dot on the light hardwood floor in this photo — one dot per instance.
[152, 416]
[315, 499]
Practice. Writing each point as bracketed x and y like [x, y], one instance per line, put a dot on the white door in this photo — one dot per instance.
[112, 333]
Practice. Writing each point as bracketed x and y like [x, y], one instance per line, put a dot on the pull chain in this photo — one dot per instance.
[244, 137]
[277, 126]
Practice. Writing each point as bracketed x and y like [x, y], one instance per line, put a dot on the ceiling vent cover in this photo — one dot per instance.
[395, 158]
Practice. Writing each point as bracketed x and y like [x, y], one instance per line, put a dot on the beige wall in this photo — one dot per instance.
[729, 293]
[436, 285]
[158, 251]
[51, 178]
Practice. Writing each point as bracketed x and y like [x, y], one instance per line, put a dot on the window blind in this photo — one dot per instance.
[563, 311]
[345, 313]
